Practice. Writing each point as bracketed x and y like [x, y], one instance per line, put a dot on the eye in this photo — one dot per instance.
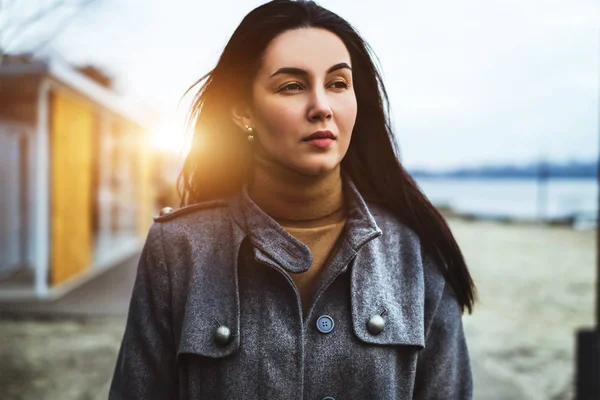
[340, 85]
[291, 87]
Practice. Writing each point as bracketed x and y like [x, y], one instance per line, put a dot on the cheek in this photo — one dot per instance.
[275, 116]
[346, 115]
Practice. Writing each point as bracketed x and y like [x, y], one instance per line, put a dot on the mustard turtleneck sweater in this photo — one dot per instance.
[310, 208]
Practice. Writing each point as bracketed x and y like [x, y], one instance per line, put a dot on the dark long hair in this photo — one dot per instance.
[220, 156]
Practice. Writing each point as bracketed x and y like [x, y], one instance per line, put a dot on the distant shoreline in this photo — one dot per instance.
[572, 221]
[574, 170]
[500, 177]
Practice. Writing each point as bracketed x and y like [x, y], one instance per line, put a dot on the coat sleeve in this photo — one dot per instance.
[146, 365]
[444, 367]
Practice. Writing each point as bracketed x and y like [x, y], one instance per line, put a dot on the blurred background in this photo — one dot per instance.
[496, 109]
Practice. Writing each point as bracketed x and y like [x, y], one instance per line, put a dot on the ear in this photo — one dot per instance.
[241, 116]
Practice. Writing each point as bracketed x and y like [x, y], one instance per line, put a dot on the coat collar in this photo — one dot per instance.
[291, 254]
[382, 276]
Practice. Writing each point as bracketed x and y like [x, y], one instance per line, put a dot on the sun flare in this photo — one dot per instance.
[169, 137]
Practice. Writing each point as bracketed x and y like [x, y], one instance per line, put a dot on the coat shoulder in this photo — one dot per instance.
[414, 252]
[169, 214]
[391, 224]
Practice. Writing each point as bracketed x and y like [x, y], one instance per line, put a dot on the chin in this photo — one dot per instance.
[316, 168]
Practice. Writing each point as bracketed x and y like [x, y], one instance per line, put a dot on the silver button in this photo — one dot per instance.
[376, 324]
[165, 211]
[222, 335]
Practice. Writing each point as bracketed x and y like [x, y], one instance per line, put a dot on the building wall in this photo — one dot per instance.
[71, 145]
[145, 191]
[18, 122]
[98, 175]
[18, 99]
[13, 195]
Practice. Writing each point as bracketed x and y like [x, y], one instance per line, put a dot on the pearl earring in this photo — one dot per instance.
[249, 130]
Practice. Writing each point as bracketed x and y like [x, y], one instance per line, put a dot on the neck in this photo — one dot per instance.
[287, 195]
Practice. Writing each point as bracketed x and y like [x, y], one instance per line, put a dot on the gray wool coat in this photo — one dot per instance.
[227, 263]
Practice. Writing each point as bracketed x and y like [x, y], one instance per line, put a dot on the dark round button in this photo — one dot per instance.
[325, 324]
[328, 398]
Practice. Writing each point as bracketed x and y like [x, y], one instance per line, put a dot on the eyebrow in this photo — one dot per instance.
[300, 71]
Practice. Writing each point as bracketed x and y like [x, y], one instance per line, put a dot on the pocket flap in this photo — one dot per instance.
[200, 339]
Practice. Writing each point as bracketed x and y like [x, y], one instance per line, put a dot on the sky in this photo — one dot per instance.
[470, 82]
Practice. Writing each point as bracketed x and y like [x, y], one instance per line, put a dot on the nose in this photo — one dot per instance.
[319, 109]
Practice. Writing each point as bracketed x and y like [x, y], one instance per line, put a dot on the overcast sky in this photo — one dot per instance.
[470, 82]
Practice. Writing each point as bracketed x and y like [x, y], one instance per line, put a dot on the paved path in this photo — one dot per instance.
[106, 295]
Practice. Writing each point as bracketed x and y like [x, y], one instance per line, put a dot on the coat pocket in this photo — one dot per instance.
[208, 341]
[389, 328]
[206, 364]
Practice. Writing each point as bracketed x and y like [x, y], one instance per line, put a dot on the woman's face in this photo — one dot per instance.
[303, 101]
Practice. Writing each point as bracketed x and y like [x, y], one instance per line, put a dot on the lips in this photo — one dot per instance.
[320, 135]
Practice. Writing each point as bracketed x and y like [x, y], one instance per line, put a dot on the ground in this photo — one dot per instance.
[58, 358]
[536, 288]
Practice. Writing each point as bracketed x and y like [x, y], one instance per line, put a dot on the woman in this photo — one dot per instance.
[306, 264]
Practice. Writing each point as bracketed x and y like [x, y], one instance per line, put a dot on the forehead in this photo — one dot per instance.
[312, 49]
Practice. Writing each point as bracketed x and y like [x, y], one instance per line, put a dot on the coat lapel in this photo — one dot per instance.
[389, 277]
[390, 286]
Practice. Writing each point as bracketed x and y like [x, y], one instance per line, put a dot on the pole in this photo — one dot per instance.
[588, 340]
[598, 219]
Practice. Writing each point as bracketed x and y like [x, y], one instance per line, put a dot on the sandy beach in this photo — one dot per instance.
[535, 288]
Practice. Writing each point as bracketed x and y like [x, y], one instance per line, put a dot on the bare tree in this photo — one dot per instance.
[18, 19]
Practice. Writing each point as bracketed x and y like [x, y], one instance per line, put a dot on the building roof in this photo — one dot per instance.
[78, 82]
